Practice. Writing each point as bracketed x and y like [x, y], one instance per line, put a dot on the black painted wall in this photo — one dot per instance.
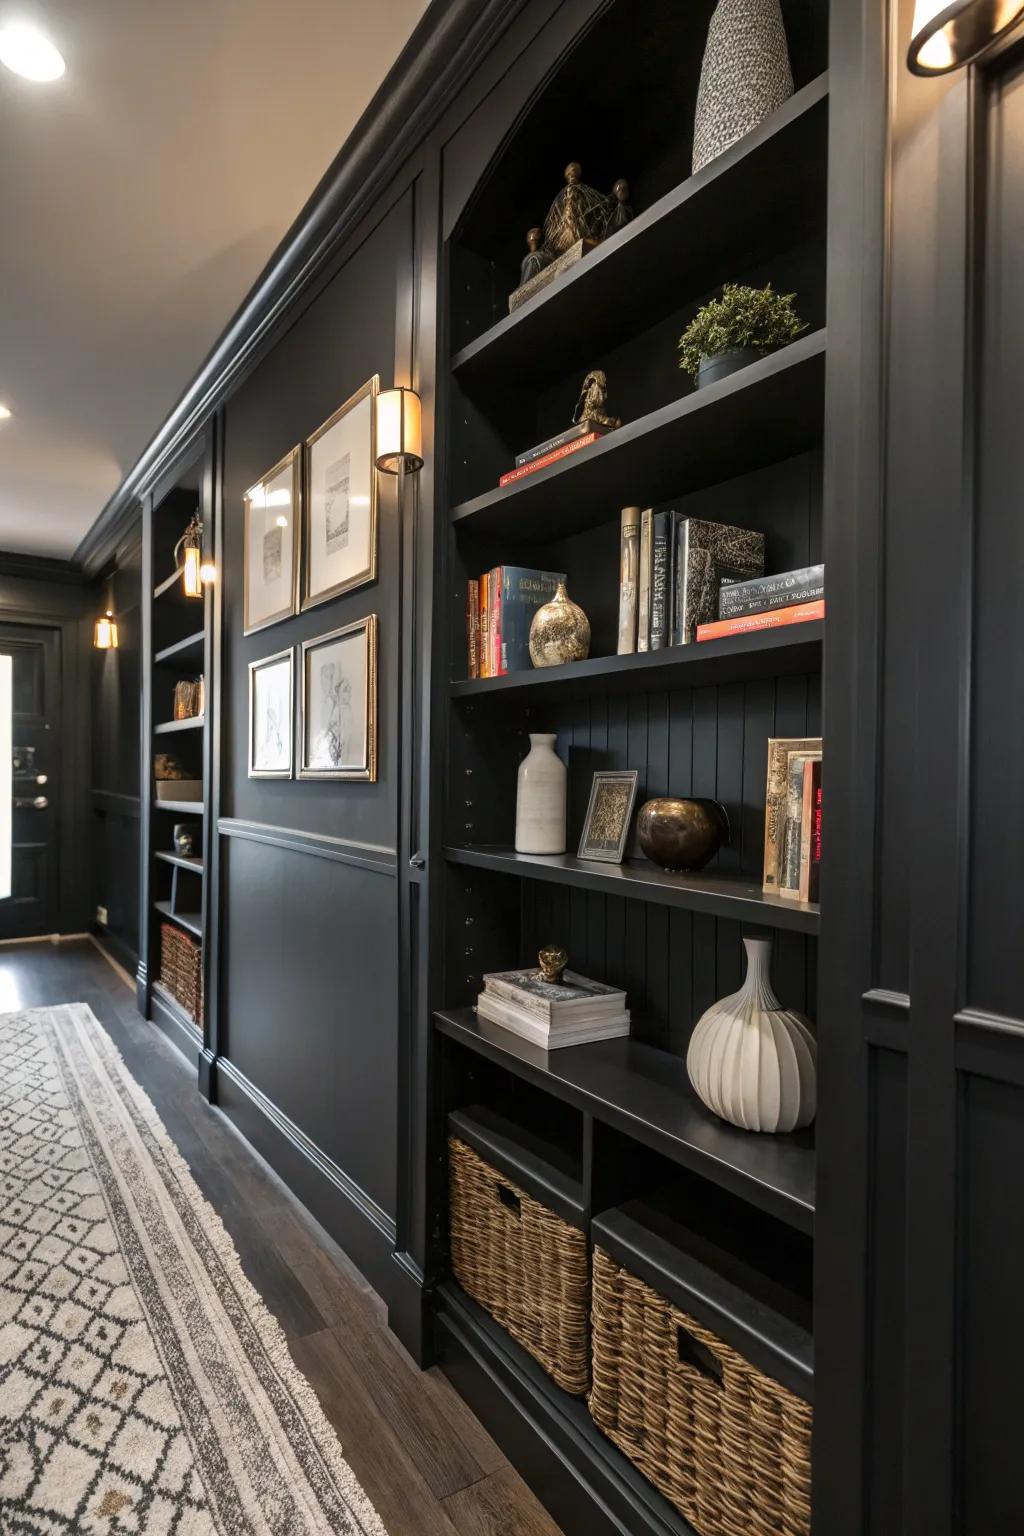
[114, 776]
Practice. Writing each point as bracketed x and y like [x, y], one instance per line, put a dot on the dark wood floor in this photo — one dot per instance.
[424, 1460]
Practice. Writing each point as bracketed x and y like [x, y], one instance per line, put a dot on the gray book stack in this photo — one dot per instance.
[573, 1011]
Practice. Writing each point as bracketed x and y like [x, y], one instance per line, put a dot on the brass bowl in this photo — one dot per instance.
[682, 834]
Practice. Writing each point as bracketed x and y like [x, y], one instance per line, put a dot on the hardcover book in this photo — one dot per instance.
[662, 554]
[779, 748]
[520, 592]
[528, 1027]
[814, 872]
[549, 458]
[738, 598]
[643, 597]
[775, 618]
[629, 565]
[810, 830]
[706, 554]
[581, 429]
[473, 628]
[574, 996]
[792, 834]
[482, 639]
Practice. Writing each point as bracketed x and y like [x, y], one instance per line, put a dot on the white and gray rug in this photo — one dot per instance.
[144, 1386]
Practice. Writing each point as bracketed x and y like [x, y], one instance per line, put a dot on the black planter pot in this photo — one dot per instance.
[723, 363]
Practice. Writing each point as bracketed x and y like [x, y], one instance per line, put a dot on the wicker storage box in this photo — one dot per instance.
[725, 1443]
[181, 969]
[513, 1254]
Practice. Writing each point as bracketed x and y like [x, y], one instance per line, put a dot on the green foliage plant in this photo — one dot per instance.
[742, 317]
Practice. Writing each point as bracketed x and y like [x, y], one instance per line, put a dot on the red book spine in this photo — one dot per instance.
[494, 633]
[549, 458]
[814, 883]
[473, 628]
[796, 613]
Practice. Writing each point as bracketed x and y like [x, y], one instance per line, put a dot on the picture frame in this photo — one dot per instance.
[271, 716]
[270, 545]
[339, 525]
[609, 813]
[338, 713]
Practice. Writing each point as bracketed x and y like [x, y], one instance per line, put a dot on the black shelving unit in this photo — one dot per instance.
[693, 720]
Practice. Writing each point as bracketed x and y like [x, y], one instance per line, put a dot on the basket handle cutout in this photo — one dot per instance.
[693, 1353]
[509, 1199]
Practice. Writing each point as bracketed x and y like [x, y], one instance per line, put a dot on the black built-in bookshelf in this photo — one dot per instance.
[693, 720]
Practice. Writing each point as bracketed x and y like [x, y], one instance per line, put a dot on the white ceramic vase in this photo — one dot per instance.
[540, 799]
[751, 1061]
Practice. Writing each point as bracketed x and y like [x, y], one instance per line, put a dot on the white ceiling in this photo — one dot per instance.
[140, 196]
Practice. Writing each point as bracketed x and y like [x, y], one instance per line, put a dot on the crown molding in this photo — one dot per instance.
[446, 47]
[40, 568]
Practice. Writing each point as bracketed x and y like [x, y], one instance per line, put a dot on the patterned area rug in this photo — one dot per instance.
[144, 1387]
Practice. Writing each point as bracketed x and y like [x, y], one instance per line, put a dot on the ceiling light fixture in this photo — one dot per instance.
[27, 52]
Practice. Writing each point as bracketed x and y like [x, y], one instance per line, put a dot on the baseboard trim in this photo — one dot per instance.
[111, 948]
[351, 1216]
[183, 1036]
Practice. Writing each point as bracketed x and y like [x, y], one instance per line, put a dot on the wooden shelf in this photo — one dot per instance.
[770, 410]
[168, 582]
[182, 650]
[792, 650]
[192, 922]
[170, 727]
[190, 862]
[646, 1093]
[771, 182]
[728, 896]
[185, 807]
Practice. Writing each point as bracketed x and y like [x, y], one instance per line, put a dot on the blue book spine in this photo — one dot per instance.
[523, 591]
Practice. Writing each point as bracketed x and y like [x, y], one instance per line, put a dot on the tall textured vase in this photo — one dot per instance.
[751, 1061]
[745, 75]
[540, 799]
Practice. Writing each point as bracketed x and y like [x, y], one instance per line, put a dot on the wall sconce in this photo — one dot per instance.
[104, 633]
[195, 567]
[945, 37]
[400, 430]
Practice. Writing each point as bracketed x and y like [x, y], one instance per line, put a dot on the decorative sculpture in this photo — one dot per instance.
[620, 213]
[592, 401]
[552, 960]
[537, 256]
[578, 213]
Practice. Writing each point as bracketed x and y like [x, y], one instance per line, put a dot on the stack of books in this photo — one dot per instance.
[561, 446]
[500, 606]
[793, 597]
[793, 818]
[573, 1011]
[671, 570]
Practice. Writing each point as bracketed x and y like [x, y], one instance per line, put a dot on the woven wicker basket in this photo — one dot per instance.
[727, 1445]
[181, 969]
[523, 1264]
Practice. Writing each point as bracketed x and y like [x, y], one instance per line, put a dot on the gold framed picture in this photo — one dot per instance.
[338, 722]
[339, 525]
[606, 826]
[271, 734]
[273, 515]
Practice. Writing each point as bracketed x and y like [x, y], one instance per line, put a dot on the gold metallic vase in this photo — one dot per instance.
[560, 631]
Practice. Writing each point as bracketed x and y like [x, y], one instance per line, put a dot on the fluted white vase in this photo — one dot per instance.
[751, 1061]
[540, 799]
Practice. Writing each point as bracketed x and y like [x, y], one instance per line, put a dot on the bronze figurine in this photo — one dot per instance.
[620, 213]
[592, 401]
[537, 256]
[552, 960]
[578, 213]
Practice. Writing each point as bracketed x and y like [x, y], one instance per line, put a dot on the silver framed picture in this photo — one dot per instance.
[273, 517]
[338, 721]
[271, 733]
[339, 526]
[606, 826]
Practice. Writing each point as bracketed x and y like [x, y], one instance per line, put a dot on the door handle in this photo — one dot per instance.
[28, 803]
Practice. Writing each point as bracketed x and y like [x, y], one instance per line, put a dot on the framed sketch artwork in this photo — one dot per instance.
[340, 517]
[273, 513]
[338, 730]
[271, 736]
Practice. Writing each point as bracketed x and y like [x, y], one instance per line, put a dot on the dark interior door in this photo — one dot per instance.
[31, 907]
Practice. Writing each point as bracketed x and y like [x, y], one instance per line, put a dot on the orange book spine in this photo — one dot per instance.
[483, 637]
[797, 613]
[549, 458]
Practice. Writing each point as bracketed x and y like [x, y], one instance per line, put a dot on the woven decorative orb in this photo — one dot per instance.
[751, 1061]
[745, 76]
[560, 631]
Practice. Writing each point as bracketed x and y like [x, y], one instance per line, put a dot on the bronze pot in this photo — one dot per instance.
[682, 834]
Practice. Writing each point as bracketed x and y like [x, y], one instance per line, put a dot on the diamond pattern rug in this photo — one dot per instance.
[144, 1387]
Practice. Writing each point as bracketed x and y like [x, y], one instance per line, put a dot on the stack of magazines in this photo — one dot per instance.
[573, 1011]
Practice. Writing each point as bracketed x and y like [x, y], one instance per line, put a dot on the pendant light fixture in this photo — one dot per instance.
[945, 37]
[104, 633]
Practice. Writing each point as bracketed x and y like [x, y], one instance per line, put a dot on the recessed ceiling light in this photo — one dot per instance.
[29, 53]
[5, 413]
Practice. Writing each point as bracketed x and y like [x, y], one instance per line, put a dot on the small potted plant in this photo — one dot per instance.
[728, 333]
